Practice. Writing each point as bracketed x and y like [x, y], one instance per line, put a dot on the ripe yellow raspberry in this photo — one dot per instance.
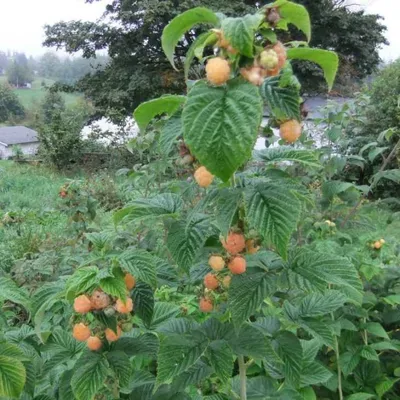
[82, 304]
[111, 336]
[251, 247]
[269, 59]
[253, 74]
[226, 282]
[124, 308]
[81, 332]
[100, 300]
[206, 305]
[290, 131]
[217, 263]
[218, 71]
[237, 265]
[234, 243]
[94, 343]
[130, 281]
[203, 177]
[377, 245]
[211, 282]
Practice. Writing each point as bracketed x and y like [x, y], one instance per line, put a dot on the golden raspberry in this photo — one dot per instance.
[218, 71]
[203, 177]
[290, 131]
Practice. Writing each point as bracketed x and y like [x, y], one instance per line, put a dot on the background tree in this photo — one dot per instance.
[18, 72]
[3, 62]
[52, 102]
[10, 106]
[138, 69]
[49, 65]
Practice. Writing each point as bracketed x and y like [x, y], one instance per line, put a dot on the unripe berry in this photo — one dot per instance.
[127, 327]
[82, 304]
[217, 263]
[203, 177]
[63, 194]
[251, 248]
[383, 241]
[290, 131]
[377, 245]
[280, 50]
[234, 243]
[211, 282]
[218, 71]
[269, 59]
[226, 282]
[253, 74]
[130, 281]
[206, 305]
[100, 300]
[94, 343]
[81, 332]
[124, 308]
[237, 265]
[111, 336]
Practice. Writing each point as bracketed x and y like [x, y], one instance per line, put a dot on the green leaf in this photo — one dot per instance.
[177, 354]
[318, 304]
[390, 174]
[386, 385]
[330, 189]
[360, 396]
[283, 102]
[239, 32]
[246, 294]
[256, 388]
[220, 355]
[334, 133]
[146, 345]
[192, 376]
[382, 346]
[65, 389]
[141, 264]
[291, 352]
[114, 286]
[163, 312]
[273, 210]
[174, 31]
[140, 386]
[376, 152]
[161, 205]
[143, 299]
[197, 48]
[170, 133]
[221, 123]
[369, 353]
[186, 238]
[168, 104]
[120, 364]
[228, 202]
[12, 376]
[327, 60]
[314, 373]
[83, 280]
[376, 329]
[89, 378]
[282, 153]
[11, 292]
[297, 15]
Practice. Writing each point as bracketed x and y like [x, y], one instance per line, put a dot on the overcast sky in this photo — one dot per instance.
[22, 21]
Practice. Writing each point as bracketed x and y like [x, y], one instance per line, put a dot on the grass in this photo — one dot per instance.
[31, 98]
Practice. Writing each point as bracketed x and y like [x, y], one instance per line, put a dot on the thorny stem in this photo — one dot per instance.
[242, 375]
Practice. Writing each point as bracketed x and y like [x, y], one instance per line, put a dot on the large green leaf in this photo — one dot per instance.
[161, 205]
[12, 376]
[143, 299]
[192, 376]
[221, 357]
[327, 60]
[239, 32]
[282, 153]
[360, 396]
[140, 386]
[297, 15]
[174, 31]
[273, 210]
[221, 123]
[83, 280]
[65, 389]
[170, 133]
[163, 312]
[318, 304]
[186, 238]
[291, 352]
[283, 102]
[120, 364]
[11, 292]
[89, 378]
[228, 202]
[257, 388]
[246, 294]
[385, 385]
[146, 344]
[390, 174]
[115, 285]
[314, 373]
[330, 189]
[168, 104]
[375, 328]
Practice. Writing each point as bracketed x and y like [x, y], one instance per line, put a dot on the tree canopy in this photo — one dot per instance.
[139, 70]
[10, 106]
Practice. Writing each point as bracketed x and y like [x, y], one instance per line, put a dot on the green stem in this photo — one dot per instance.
[242, 374]
[339, 370]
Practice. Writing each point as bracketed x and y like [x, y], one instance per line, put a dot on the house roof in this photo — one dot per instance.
[17, 135]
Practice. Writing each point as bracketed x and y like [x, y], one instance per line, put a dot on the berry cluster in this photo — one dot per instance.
[92, 332]
[234, 244]
[377, 245]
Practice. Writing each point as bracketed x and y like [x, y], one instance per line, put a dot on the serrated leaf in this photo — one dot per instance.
[282, 153]
[174, 31]
[143, 299]
[221, 123]
[318, 304]
[386, 385]
[327, 60]
[65, 389]
[83, 280]
[291, 352]
[140, 386]
[256, 387]
[330, 189]
[146, 344]
[246, 294]
[220, 356]
[163, 312]
[376, 329]
[390, 174]
[376, 152]
[168, 104]
[381, 346]
[240, 31]
[89, 378]
[192, 376]
[11, 292]
[120, 364]
[170, 133]
[360, 396]
[369, 353]
[321, 331]
[12, 377]
[349, 362]
[314, 373]
[228, 202]
[186, 238]
[297, 15]
[114, 286]
[141, 264]
[283, 102]
[273, 210]
[161, 205]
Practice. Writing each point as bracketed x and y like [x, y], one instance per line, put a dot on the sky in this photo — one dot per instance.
[22, 21]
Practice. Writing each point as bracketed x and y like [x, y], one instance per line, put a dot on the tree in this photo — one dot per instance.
[10, 106]
[18, 72]
[3, 62]
[52, 102]
[49, 65]
[139, 70]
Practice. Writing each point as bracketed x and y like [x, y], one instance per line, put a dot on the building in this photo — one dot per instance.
[24, 138]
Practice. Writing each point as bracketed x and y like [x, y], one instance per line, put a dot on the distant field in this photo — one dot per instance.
[32, 97]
